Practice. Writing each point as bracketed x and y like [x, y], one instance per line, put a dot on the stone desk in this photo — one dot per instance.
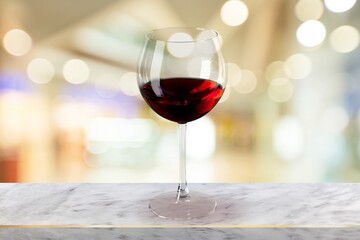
[120, 211]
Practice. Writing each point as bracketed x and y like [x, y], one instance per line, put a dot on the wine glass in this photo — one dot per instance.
[181, 76]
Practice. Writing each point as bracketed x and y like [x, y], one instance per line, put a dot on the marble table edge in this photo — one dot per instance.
[184, 226]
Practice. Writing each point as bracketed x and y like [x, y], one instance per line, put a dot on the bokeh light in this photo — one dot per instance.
[298, 66]
[128, 84]
[280, 90]
[76, 71]
[309, 9]
[119, 130]
[311, 33]
[344, 39]
[247, 82]
[274, 70]
[196, 67]
[288, 138]
[71, 115]
[206, 43]
[234, 13]
[233, 74]
[40, 70]
[180, 44]
[17, 42]
[292, 92]
[107, 85]
[334, 120]
[308, 103]
[339, 5]
[201, 139]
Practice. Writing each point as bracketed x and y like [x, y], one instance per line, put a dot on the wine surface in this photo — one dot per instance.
[181, 99]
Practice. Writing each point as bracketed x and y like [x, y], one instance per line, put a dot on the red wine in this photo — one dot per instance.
[181, 99]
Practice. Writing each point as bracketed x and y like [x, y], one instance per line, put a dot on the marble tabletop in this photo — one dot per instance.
[282, 211]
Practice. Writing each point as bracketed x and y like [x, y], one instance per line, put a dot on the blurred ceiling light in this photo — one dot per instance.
[247, 82]
[339, 5]
[345, 39]
[280, 90]
[311, 33]
[107, 85]
[17, 42]
[104, 45]
[298, 66]
[76, 71]
[233, 74]
[128, 84]
[288, 138]
[234, 13]
[335, 119]
[275, 70]
[40, 70]
[180, 44]
[309, 9]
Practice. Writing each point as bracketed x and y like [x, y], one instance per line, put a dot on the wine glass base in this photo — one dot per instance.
[166, 205]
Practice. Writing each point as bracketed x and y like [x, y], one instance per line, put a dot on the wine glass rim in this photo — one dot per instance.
[150, 35]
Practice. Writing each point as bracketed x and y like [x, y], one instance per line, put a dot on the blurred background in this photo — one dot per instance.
[70, 109]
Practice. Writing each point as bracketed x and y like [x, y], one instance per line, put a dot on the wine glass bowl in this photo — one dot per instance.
[181, 76]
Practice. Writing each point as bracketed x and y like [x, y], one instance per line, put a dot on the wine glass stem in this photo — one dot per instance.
[183, 191]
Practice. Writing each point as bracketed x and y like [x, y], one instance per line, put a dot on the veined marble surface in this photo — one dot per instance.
[126, 205]
[180, 234]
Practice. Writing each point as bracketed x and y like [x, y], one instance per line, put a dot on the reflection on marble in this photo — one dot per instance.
[127, 204]
[180, 233]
